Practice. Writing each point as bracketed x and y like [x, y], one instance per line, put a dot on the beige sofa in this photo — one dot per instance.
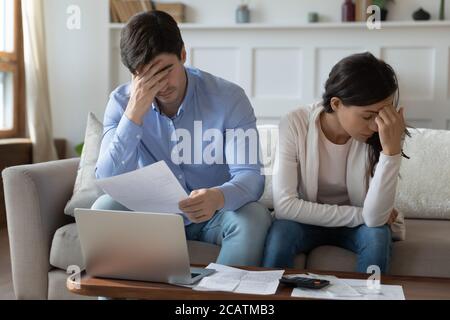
[44, 241]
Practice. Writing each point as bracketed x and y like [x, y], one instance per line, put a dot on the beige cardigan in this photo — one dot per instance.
[295, 180]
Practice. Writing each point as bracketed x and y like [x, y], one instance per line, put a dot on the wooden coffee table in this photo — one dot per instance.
[413, 288]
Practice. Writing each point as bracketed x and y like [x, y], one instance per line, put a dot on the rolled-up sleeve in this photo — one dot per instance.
[380, 199]
[121, 138]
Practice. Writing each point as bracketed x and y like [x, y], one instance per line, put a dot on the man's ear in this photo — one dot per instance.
[183, 55]
[335, 103]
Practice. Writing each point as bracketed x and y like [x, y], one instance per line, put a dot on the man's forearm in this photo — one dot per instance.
[119, 150]
[243, 188]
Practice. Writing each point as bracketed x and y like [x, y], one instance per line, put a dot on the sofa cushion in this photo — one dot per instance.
[85, 190]
[300, 261]
[331, 258]
[426, 252]
[66, 249]
[202, 252]
[424, 188]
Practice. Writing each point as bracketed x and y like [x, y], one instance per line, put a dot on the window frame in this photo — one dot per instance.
[13, 62]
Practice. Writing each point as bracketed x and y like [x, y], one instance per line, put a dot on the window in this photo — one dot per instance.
[11, 70]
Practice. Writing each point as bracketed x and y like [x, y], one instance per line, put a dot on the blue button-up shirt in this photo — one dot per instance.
[211, 106]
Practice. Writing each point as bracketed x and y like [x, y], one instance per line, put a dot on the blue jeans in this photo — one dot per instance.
[288, 238]
[240, 233]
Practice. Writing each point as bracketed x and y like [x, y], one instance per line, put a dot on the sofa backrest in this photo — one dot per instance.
[424, 187]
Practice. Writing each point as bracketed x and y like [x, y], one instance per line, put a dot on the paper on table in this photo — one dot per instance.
[217, 283]
[240, 281]
[153, 188]
[260, 282]
[386, 292]
[257, 287]
[337, 288]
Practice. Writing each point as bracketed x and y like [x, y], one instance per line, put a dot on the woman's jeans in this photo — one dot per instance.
[288, 238]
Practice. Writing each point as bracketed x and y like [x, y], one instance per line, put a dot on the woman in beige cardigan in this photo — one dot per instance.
[337, 169]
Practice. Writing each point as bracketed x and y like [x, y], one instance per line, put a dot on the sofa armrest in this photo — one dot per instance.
[35, 196]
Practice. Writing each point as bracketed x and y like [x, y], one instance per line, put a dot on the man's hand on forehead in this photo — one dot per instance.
[154, 69]
[165, 68]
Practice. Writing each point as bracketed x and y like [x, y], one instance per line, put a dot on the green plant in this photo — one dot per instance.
[79, 149]
[382, 3]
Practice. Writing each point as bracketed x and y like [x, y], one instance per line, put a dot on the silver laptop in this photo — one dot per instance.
[136, 246]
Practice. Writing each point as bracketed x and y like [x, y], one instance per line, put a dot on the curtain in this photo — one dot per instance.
[38, 111]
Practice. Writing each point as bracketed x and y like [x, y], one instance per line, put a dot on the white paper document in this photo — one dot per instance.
[153, 188]
[240, 281]
[386, 292]
[348, 289]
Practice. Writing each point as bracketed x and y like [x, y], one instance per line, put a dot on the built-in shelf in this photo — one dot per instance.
[320, 25]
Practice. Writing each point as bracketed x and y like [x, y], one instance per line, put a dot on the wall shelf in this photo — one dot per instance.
[320, 25]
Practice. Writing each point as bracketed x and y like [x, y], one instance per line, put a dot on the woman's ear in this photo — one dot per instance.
[335, 103]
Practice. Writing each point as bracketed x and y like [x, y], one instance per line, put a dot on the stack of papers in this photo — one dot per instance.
[348, 289]
[240, 281]
[153, 188]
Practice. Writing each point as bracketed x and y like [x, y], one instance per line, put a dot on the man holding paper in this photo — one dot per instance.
[202, 126]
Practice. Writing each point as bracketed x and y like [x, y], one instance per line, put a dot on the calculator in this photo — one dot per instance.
[302, 282]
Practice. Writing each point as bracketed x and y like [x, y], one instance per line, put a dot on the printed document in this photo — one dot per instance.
[240, 281]
[153, 188]
[348, 289]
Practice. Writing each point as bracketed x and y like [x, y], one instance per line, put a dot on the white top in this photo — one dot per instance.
[296, 181]
[332, 188]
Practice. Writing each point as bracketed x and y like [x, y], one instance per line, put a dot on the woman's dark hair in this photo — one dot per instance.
[362, 80]
[147, 35]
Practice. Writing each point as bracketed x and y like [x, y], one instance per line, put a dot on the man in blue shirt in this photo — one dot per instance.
[202, 126]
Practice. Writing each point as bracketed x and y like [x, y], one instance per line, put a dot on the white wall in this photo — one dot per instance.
[78, 65]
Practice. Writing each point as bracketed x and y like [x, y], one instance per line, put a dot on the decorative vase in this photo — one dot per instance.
[421, 15]
[348, 11]
[243, 14]
[384, 13]
[313, 17]
[442, 10]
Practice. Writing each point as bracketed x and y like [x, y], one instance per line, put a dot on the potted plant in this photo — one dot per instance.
[79, 149]
[382, 4]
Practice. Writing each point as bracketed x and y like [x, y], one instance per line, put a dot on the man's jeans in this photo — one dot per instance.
[241, 233]
[288, 238]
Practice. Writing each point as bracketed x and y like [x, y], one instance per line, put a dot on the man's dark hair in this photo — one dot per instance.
[147, 35]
